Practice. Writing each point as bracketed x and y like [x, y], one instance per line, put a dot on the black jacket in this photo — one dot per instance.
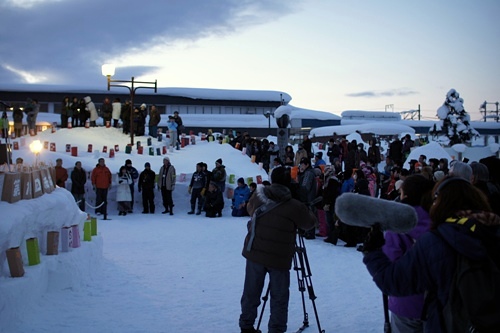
[146, 180]
[78, 180]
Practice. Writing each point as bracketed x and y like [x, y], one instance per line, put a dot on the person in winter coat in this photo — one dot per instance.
[154, 120]
[219, 175]
[396, 150]
[197, 188]
[333, 151]
[84, 113]
[106, 111]
[116, 111]
[134, 174]
[101, 182]
[172, 130]
[146, 185]
[407, 145]
[289, 156]
[300, 154]
[214, 202]
[373, 153]
[307, 144]
[65, 111]
[78, 181]
[75, 112]
[123, 196]
[125, 115]
[180, 126]
[32, 109]
[240, 199]
[318, 159]
[481, 180]
[331, 190]
[406, 311]
[61, 174]
[429, 265]
[307, 188]
[269, 248]
[90, 107]
[166, 184]
[18, 116]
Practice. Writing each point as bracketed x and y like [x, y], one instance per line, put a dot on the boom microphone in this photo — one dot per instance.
[365, 211]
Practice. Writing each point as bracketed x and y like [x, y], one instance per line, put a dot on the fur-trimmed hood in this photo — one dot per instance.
[273, 193]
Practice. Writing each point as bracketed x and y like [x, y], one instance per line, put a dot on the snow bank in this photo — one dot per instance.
[34, 218]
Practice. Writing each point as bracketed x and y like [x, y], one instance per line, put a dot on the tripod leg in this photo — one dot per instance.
[264, 298]
[299, 267]
[305, 281]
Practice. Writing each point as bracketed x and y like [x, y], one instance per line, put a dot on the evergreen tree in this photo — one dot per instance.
[454, 120]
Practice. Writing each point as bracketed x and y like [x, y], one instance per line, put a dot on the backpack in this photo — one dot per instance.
[474, 299]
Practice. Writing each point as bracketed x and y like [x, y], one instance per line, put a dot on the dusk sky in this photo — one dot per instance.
[329, 55]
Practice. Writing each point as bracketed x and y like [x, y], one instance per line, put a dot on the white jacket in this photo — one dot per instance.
[123, 188]
[91, 108]
[117, 110]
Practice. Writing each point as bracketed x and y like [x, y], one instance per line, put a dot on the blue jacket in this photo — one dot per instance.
[428, 266]
[241, 195]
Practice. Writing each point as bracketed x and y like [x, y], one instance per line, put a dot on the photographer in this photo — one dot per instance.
[269, 248]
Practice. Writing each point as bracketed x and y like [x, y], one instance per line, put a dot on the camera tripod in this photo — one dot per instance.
[302, 268]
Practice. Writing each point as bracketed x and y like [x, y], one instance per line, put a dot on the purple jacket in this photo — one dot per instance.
[395, 247]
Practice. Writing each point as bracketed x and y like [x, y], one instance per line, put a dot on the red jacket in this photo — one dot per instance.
[61, 176]
[101, 177]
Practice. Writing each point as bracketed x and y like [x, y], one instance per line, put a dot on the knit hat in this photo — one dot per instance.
[319, 154]
[147, 165]
[241, 180]
[219, 161]
[281, 175]
[127, 162]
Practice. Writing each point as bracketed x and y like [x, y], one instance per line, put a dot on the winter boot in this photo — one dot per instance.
[192, 210]
[171, 210]
[199, 210]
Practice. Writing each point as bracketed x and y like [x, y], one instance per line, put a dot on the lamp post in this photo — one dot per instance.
[268, 115]
[36, 147]
[108, 70]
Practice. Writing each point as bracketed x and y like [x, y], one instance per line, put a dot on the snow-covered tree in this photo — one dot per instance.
[454, 120]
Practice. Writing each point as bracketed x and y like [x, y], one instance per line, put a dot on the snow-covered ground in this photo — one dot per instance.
[158, 273]
[161, 273]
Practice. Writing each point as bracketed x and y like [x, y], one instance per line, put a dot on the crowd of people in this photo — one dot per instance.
[457, 207]
[405, 266]
[80, 112]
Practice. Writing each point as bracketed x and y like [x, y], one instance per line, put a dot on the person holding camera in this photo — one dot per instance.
[269, 248]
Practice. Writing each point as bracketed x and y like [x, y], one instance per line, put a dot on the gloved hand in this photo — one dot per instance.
[203, 192]
[375, 239]
[173, 187]
[190, 189]
[326, 208]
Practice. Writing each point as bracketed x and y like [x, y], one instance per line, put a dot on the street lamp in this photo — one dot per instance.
[108, 70]
[268, 115]
[36, 147]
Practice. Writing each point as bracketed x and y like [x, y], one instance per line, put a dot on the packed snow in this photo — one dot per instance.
[158, 273]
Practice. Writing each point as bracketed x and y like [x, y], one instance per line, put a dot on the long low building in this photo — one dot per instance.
[201, 109]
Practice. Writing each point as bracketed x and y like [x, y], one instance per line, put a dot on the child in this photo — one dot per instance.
[214, 203]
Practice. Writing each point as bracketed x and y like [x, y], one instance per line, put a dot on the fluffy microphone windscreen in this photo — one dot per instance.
[364, 211]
